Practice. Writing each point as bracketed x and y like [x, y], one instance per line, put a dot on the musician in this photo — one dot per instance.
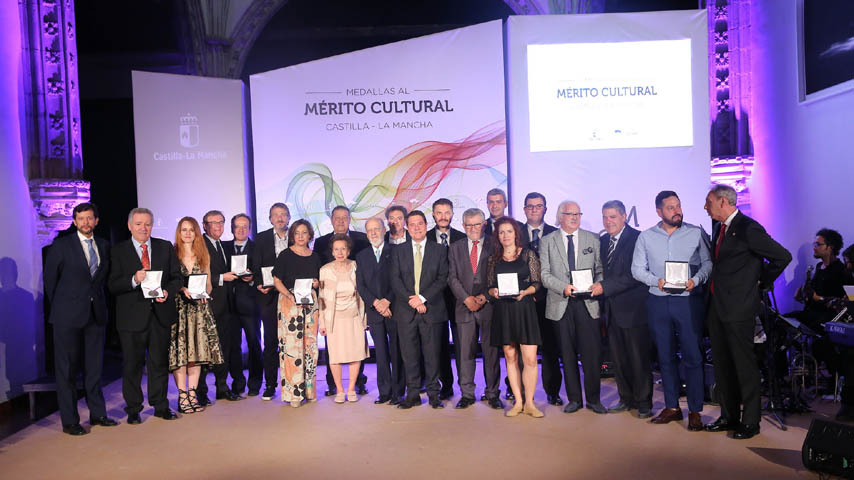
[846, 411]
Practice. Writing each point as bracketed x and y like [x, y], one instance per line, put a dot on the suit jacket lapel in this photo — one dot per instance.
[558, 239]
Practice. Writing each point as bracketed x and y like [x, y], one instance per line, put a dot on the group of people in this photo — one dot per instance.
[410, 286]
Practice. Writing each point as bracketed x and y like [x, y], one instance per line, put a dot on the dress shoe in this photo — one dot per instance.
[845, 414]
[695, 422]
[395, 400]
[721, 425]
[644, 412]
[597, 407]
[361, 390]
[382, 399]
[446, 393]
[464, 402]
[745, 431]
[134, 419]
[571, 407]
[496, 403]
[668, 415]
[619, 407]
[269, 393]
[104, 421]
[203, 400]
[554, 400]
[509, 395]
[330, 392]
[165, 414]
[516, 410]
[254, 393]
[228, 395]
[532, 410]
[409, 403]
[436, 402]
[483, 398]
[74, 430]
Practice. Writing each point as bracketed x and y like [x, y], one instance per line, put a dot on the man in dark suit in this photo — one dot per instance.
[746, 260]
[419, 275]
[341, 225]
[74, 275]
[533, 230]
[444, 234]
[467, 278]
[496, 204]
[268, 245]
[395, 215]
[373, 266]
[144, 323]
[244, 311]
[221, 279]
[624, 310]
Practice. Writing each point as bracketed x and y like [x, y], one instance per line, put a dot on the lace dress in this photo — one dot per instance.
[512, 321]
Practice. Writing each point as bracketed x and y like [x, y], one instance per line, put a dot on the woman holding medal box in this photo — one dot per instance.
[297, 320]
[515, 324]
[194, 340]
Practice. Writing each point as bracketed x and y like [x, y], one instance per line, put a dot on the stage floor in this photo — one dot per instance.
[257, 439]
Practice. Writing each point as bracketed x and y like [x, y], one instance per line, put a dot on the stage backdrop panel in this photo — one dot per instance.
[609, 106]
[190, 147]
[404, 123]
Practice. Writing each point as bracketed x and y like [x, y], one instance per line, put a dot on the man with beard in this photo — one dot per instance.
[395, 215]
[445, 235]
[675, 316]
[846, 410]
[268, 245]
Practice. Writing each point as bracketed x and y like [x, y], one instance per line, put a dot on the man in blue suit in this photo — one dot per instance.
[74, 276]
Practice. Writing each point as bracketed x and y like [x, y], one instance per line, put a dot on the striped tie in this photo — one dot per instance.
[93, 258]
[612, 246]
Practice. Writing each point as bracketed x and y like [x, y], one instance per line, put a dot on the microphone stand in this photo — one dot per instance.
[774, 406]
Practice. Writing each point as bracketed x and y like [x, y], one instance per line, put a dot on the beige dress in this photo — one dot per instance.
[345, 337]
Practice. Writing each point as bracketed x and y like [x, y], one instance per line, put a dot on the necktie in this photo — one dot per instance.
[720, 239]
[473, 256]
[93, 258]
[377, 252]
[535, 240]
[219, 250]
[239, 249]
[146, 260]
[444, 237]
[570, 253]
[417, 268]
[612, 246]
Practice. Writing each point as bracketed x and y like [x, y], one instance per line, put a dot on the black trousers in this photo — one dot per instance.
[70, 344]
[390, 378]
[271, 342]
[446, 372]
[630, 349]
[248, 324]
[736, 367]
[153, 340]
[417, 337]
[846, 370]
[578, 333]
[549, 352]
[220, 371]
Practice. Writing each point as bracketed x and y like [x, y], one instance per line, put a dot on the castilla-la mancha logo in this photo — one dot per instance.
[189, 131]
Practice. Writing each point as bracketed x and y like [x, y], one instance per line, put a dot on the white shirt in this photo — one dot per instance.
[531, 229]
[574, 234]
[479, 248]
[397, 241]
[214, 243]
[281, 244]
[730, 217]
[85, 243]
[242, 247]
[138, 247]
[378, 251]
[423, 244]
[447, 237]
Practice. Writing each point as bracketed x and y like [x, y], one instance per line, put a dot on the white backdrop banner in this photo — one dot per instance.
[610, 106]
[399, 124]
[190, 147]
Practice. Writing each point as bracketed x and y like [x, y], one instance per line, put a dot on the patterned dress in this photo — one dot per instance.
[297, 349]
[194, 338]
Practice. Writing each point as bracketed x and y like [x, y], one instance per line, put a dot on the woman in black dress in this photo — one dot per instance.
[514, 319]
[297, 323]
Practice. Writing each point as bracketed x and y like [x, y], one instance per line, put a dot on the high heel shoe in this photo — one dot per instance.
[516, 410]
[184, 404]
[531, 409]
[351, 397]
[194, 401]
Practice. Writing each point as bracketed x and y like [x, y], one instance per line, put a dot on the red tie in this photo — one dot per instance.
[146, 262]
[720, 239]
[473, 256]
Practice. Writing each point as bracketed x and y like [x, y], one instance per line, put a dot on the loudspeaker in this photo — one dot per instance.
[829, 448]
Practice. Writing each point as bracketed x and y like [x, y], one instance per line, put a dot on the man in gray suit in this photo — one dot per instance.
[467, 278]
[575, 319]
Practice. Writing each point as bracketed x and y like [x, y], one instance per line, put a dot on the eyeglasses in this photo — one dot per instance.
[216, 223]
[473, 225]
[816, 244]
[538, 206]
[574, 215]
